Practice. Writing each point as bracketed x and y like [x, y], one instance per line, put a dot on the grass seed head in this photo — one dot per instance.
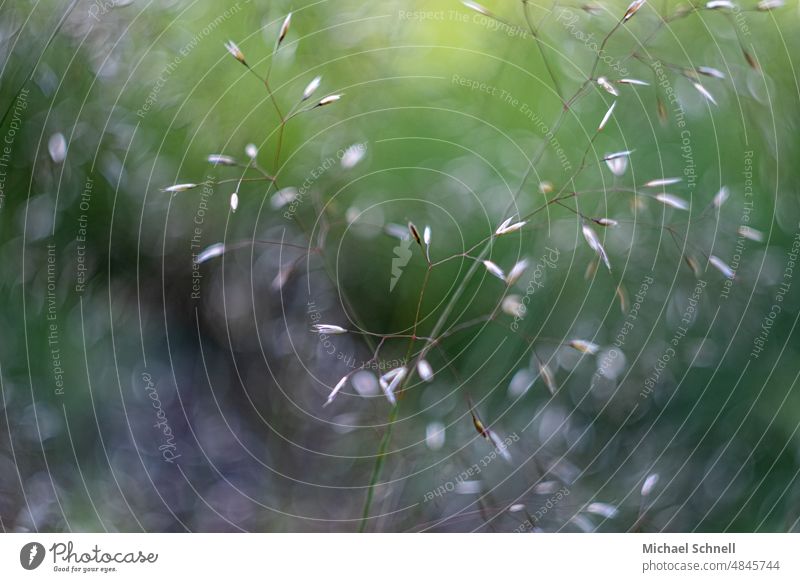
[339, 385]
[604, 509]
[603, 82]
[693, 265]
[424, 370]
[649, 484]
[594, 243]
[751, 60]
[672, 201]
[57, 147]
[311, 88]
[607, 116]
[494, 269]
[633, 8]
[506, 227]
[284, 28]
[766, 5]
[282, 277]
[180, 188]
[720, 197]
[606, 221]
[210, 252]
[353, 155]
[283, 197]
[657, 183]
[623, 299]
[221, 160]
[617, 165]
[722, 267]
[235, 52]
[705, 93]
[710, 72]
[328, 329]
[513, 306]
[328, 100]
[585, 347]
[414, 233]
[516, 271]
[751, 233]
[546, 374]
[477, 8]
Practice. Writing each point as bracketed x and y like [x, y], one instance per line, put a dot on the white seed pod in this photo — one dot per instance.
[311, 88]
[516, 271]
[765, 5]
[499, 445]
[546, 374]
[235, 52]
[221, 160]
[390, 381]
[595, 244]
[584, 346]
[507, 227]
[609, 88]
[180, 188]
[57, 147]
[649, 484]
[633, 82]
[328, 100]
[210, 252]
[705, 93]
[234, 201]
[710, 72]
[339, 385]
[328, 329]
[424, 370]
[251, 151]
[751, 233]
[477, 8]
[605, 509]
[607, 116]
[658, 182]
[546, 487]
[633, 8]
[672, 201]
[494, 269]
[512, 305]
[353, 155]
[284, 28]
[717, 4]
[721, 197]
[722, 267]
[283, 197]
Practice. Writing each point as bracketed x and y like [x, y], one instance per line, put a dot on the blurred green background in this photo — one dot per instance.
[140, 392]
